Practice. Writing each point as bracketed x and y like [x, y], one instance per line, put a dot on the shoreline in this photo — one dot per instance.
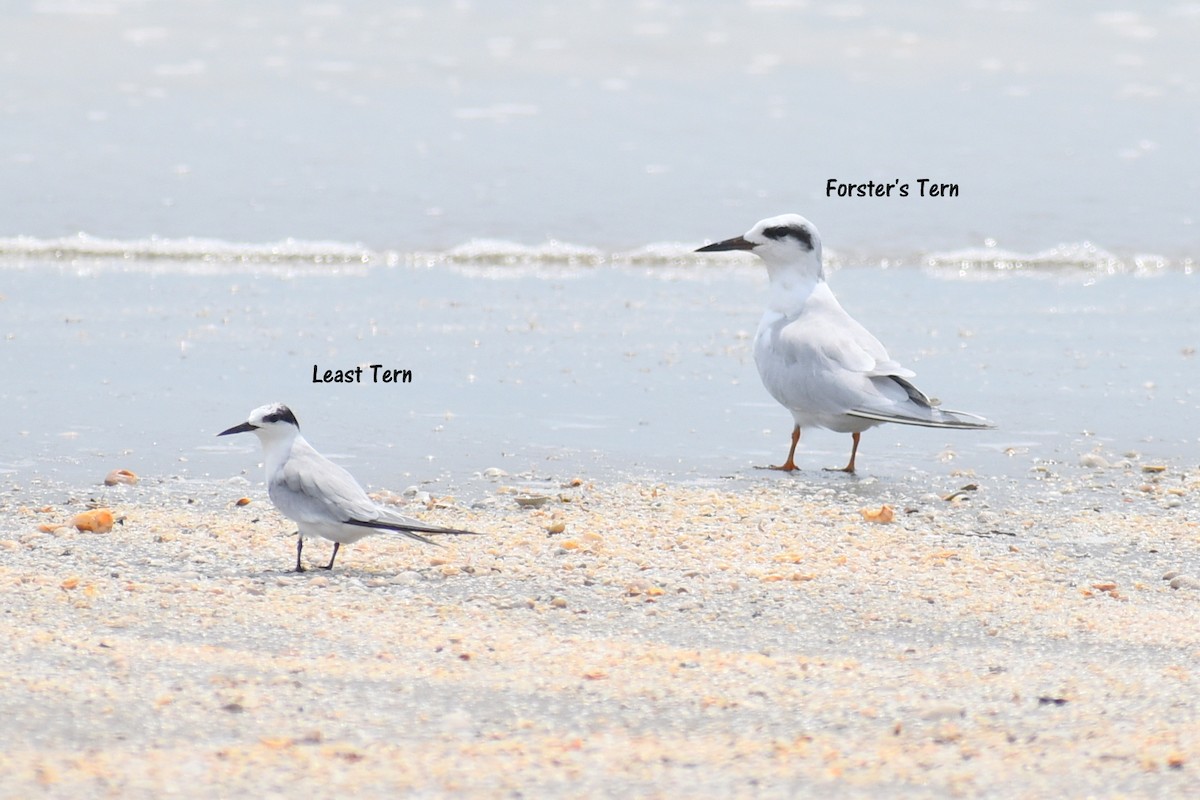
[763, 638]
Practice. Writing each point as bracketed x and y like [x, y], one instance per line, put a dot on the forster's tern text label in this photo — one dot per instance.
[925, 187]
[373, 373]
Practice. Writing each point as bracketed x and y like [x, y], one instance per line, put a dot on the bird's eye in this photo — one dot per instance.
[797, 232]
[284, 414]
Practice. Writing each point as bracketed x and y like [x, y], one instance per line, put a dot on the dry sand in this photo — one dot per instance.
[757, 638]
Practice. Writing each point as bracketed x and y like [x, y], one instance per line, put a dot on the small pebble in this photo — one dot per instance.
[943, 711]
[532, 501]
[988, 518]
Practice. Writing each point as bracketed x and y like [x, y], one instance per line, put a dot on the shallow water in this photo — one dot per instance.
[206, 199]
[605, 372]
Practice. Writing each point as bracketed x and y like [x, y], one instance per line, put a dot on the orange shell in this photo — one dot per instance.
[120, 476]
[99, 520]
[884, 515]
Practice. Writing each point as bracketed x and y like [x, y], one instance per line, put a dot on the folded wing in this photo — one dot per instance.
[313, 489]
[856, 375]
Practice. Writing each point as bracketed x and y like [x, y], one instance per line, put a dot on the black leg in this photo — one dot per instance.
[336, 545]
[299, 547]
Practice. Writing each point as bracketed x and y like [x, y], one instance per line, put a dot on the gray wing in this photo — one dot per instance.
[860, 378]
[311, 488]
[840, 338]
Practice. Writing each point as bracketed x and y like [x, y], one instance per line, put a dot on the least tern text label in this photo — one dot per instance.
[925, 187]
[375, 373]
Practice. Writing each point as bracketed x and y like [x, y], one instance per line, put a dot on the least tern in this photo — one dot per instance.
[814, 358]
[319, 496]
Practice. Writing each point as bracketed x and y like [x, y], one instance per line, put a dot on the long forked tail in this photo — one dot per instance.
[938, 418]
[925, 412]
[412, 530]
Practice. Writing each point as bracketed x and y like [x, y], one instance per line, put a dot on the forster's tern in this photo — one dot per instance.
[819, 363]
[322, 498]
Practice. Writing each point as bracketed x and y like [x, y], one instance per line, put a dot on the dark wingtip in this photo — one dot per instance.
[412, 530]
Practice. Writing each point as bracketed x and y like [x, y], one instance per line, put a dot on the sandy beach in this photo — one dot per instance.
[212, 205]
[771, 636]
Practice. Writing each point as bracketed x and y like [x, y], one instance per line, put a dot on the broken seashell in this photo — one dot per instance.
[120, 476]
[884, 515]
[99, 520]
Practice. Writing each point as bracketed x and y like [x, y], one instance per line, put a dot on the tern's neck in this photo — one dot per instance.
[276, 450]
[791, 288]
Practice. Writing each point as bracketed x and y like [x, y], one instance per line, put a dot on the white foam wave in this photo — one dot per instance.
[211, 255]
[1077, 257]
[495, 251]
[83, 246]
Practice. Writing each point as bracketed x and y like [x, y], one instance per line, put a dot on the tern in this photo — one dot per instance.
[814, 358]
[319, 496]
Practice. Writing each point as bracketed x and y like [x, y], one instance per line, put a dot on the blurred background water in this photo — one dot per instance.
[205, 198]
[422, 125]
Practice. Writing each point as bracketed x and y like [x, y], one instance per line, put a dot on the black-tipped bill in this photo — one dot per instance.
[245, 427]
[736, 243]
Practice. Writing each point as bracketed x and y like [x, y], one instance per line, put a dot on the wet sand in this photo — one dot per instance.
[757, 637]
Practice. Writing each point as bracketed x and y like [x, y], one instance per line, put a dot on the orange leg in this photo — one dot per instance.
[790, 464]
[849, 468]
